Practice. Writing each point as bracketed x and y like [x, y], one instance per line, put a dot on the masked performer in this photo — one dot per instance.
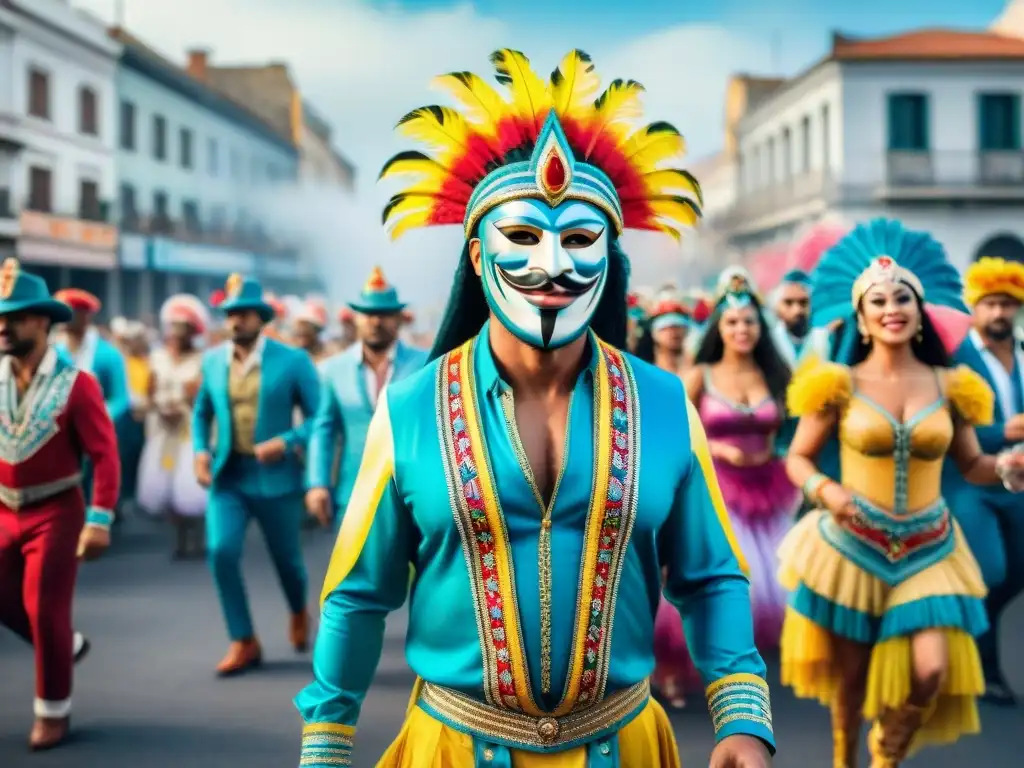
[887, 597]
[509, 470]
[50, 414]
[993, 519]
[739, 383]
[168, 482]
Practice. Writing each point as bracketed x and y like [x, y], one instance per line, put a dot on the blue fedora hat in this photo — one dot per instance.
[378, 297]
[245, 294]
[24, 292]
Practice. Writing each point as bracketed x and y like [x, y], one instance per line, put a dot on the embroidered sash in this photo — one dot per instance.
[481, 525]
[21, 438]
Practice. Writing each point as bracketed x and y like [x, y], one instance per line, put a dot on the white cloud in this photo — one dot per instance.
[364, 67]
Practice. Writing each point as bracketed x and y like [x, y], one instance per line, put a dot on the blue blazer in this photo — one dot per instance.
[991, 437]
[345, 412]
[288, 379]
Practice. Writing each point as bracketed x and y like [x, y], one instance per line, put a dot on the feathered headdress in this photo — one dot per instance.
[736, 287]
[988, 276]
[883, 250]
[553, 141]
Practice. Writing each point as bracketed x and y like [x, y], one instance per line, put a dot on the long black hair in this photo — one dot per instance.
[644, 347]
[467, 308]
[929, 348]
[774, 369]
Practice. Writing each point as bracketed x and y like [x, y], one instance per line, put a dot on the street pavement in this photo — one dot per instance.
[146, 695]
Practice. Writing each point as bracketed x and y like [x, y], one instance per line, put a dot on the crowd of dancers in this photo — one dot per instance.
[827, 472]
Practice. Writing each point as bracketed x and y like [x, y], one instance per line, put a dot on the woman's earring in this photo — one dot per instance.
[864, 335]
[920, 333]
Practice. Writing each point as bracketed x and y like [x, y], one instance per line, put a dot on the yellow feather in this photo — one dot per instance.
[573, 85]
[428, 171]
[482, 104]
[649, 147]
[619, 103]
[675, 211]
[412, 220]
[441, 128]
[667, 182]
[530, 96]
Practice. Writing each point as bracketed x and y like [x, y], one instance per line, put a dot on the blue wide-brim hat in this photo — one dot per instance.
[378, 297]
[24, 292]
[243, 295]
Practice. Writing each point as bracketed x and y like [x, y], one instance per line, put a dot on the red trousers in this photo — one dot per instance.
[38, 568]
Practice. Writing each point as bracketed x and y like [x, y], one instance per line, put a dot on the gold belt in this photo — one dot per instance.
[16, 498]
[540, 734]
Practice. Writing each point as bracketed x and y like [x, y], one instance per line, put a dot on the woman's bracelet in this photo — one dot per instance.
[813, 485]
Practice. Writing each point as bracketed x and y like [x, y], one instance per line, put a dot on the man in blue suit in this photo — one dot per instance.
[351, 385]
[250, 388]
[991, 517]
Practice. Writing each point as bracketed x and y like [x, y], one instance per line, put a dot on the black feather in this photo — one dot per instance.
[411, 154]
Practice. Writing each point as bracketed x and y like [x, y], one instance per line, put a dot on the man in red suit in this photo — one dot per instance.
[50, 414]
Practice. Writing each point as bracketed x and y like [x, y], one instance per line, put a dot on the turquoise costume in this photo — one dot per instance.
[524, 651]
[244, 488]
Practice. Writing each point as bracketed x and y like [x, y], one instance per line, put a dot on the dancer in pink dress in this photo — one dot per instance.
[738, 384]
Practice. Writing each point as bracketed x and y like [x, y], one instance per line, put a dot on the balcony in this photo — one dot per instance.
[243, 237]
[984, 174]
[778, 201]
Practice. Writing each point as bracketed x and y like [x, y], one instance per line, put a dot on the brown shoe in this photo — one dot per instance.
[298, 631]
[48, 732]
[242, 656]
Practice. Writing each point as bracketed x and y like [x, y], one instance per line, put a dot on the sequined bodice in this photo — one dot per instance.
[748, 427]
[895, 465]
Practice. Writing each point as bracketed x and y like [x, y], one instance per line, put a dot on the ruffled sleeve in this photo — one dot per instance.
[817, 385]
[971, 396]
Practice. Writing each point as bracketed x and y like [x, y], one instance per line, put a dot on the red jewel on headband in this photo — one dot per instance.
[885, 262]
[554, 174]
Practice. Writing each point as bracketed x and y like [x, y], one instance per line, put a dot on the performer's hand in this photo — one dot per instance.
[838, 501]
[93, 542]
[191, 389]
[271, 450]
[740, 751]
[1014, 428]
[201, 464]
[730, 454]
[318, 504]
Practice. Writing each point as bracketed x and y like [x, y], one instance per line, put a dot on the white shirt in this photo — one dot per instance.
[1001, 377]
[375, 385]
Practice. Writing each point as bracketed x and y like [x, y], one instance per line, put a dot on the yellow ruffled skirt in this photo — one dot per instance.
[425, 742]
[832, 596]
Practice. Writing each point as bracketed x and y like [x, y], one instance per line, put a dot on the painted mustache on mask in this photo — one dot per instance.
[537, 280]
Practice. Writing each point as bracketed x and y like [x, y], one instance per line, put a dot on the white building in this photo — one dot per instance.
[57, 135]
[923, 126]
[322, 165]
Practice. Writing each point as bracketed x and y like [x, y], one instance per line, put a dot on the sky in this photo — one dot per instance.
[365, 63]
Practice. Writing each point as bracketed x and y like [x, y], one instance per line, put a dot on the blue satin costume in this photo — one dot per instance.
[991, 517]
[244, 489]
[401, 512]
[344, 413]
[104, 361]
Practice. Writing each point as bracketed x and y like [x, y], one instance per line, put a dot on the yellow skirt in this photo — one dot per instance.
[833, 596]
[425, 742]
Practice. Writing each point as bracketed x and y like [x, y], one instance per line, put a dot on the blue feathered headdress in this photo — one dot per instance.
[866, 248]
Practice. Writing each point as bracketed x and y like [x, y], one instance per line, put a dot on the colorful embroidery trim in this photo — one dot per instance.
[478, 516]
[21, 440]
[739, 697]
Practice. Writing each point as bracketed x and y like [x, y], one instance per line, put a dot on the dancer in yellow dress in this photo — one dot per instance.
[886, 596]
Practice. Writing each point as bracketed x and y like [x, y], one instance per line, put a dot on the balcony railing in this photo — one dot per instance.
[792, 192]
[244, 237]
[983, 169]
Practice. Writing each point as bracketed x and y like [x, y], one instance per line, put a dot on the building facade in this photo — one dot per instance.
[57, 138]
[196, 170]
[322, 166]
[923, 126]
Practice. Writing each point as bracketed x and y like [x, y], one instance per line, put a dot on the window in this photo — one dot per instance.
[769, 171]
[212, 157]
[756, 171]
[787, 154]
[826, 137]
[185, 141]
[805, 145]
[39, 94]
[999, 122]
[190, 215]
[908, 122]
[89, 208]
[88, 120]
[161, 221]
[127, 125]
[129, 208]
[40, 189]
[159, 137]
[218, 219]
